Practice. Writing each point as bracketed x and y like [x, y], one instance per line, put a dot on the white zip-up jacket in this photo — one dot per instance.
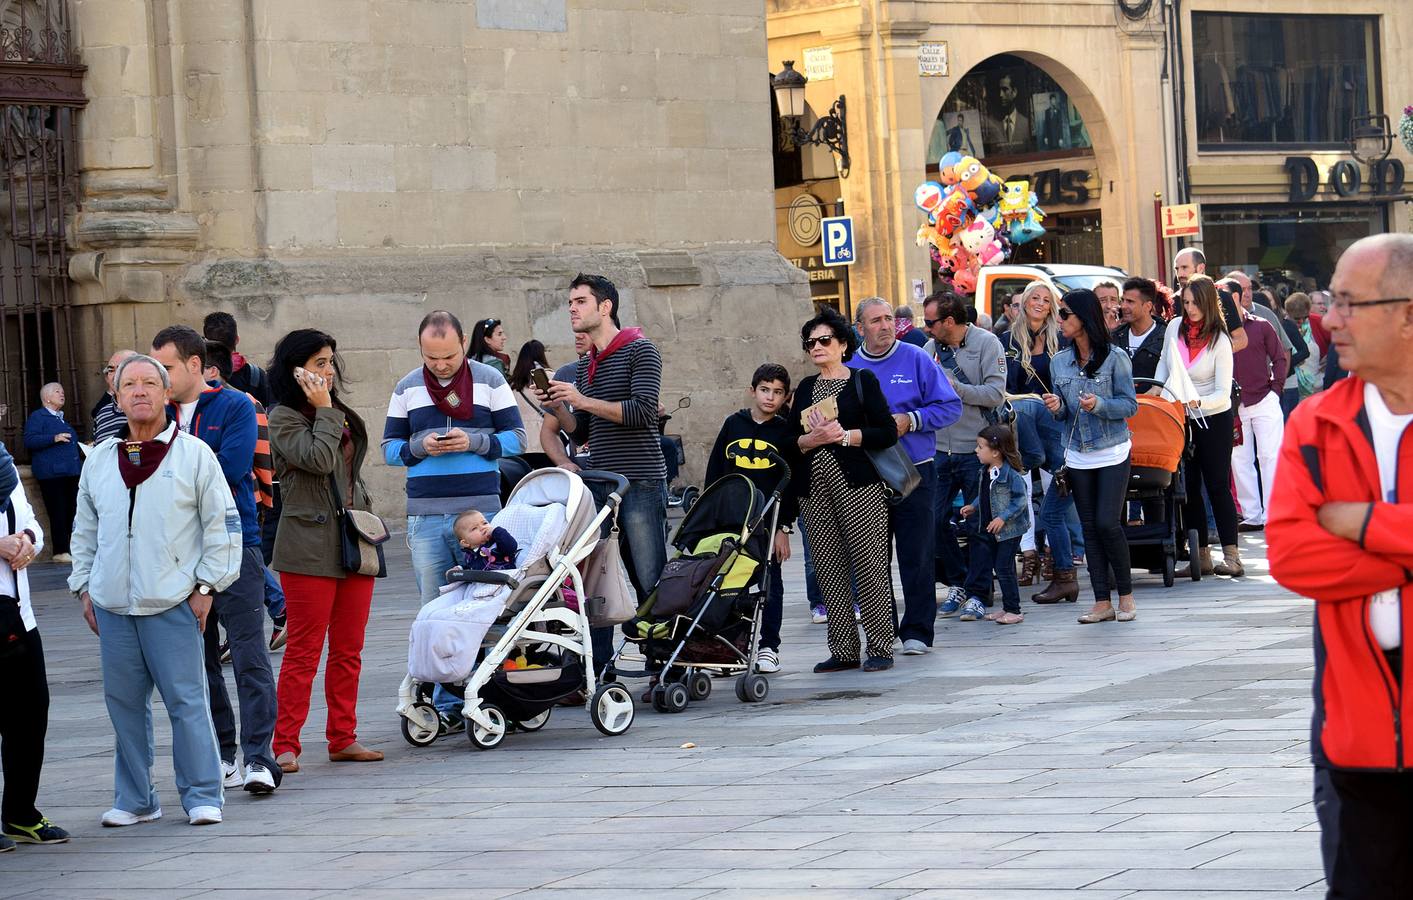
[141, 552]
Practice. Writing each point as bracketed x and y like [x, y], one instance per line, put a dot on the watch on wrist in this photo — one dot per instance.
[787, 528]
[845, 441]
[204, 590]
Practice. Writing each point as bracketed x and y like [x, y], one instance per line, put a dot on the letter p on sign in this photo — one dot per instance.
[838, 240]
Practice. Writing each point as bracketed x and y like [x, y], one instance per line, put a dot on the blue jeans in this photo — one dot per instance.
[165, 651]
[913, 524]
[957, 473]
[812, 592]
[1290, 399]
[990, 555]
[274, 596]
[1055, 515]
[642, 520]
[774, 612]
[434, 550]
[240, 612]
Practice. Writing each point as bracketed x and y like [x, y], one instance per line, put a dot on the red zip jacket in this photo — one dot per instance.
[1361, 716]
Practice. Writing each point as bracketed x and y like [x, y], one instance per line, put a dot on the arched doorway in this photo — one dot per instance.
[1018, 119]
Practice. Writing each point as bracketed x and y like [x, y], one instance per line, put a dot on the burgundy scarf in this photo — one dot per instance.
[455, 398]
[137, 460]
[621, 340]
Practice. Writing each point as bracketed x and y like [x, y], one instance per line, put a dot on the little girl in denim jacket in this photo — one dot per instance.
[1002, 503]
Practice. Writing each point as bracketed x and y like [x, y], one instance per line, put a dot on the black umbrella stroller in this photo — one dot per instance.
[703, 618]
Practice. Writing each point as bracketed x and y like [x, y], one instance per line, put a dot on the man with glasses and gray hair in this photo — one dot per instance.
[108, 420]
[1338, 528]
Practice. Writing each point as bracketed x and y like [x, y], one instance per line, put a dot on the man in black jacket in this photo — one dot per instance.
[1141, 333]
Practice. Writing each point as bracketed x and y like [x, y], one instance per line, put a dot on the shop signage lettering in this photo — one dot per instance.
[1345, 178]
[817, 270]
[1053, 186]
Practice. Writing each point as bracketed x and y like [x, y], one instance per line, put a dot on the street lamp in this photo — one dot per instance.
[1370, 139]
[829, 131]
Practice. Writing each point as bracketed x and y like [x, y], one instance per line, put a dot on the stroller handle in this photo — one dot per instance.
[1154, 383]
[774, 457]
[620, 484]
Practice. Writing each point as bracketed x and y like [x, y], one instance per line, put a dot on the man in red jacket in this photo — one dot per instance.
[1339, 530]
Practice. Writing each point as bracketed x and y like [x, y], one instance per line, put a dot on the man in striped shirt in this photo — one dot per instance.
[448, 423]
[108, 420]
[613, 402]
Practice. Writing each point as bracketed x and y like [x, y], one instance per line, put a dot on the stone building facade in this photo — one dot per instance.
[353, 164]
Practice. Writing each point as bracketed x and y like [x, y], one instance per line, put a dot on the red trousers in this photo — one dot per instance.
[315, 607]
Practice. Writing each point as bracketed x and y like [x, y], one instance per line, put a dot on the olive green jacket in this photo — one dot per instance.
[308, 541]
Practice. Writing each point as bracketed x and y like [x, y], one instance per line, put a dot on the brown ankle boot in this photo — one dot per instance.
[1231, 562]
[1063, 587]
[1206, 564]
[1047, 566]
[1030, 567]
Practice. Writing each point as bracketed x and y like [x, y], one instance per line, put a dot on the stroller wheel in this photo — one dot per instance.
[483, 737]
[1169, 570]
[671, 697]
[752, 688]
[1193, 555]
[611, 709]
[534, 723]
[699, 686]
[420, 726]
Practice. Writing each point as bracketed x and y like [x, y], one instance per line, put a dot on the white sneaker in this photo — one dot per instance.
[231, 775]
[767, 661]
[258, 779]
[118, 818]
[64, 558]
[205, 815]
[914, 647]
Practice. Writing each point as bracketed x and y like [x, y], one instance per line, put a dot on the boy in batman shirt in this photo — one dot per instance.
[747, 435]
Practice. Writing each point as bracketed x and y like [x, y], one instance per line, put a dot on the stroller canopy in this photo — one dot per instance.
[1159, 433]
[543, 487]
[731, 504]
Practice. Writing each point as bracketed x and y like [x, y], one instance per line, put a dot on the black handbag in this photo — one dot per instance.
[897, 472]
[362, 535]
[12, 624]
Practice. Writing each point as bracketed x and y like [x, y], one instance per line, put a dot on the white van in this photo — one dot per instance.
[996, 284]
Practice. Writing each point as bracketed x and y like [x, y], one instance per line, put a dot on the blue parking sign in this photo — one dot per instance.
[838, 240]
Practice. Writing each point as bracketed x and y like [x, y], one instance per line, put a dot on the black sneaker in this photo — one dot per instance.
[878, 664]
[451, 723]
[836, 665]
[45, 832]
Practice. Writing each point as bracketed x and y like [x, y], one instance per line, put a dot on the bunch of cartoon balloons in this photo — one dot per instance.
[974, 219]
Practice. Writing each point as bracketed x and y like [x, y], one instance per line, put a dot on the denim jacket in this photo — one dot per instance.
[1106, 426]
[1008, 501]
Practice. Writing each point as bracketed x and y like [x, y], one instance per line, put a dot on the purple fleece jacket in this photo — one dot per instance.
[914, 385]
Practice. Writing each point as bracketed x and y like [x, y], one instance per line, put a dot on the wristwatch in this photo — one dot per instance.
[204, 590]
[788, 528]
[845, 441]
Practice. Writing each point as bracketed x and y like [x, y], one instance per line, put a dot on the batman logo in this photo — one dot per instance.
[745, 452]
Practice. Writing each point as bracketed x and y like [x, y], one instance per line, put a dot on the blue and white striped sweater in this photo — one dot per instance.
[454, 482]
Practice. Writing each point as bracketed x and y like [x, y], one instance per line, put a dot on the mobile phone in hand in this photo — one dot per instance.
[443, 437]
[541, 380]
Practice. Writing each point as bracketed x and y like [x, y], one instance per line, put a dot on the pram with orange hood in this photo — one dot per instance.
[1157, 482]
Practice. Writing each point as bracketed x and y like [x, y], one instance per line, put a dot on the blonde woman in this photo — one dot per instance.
[1035, 338]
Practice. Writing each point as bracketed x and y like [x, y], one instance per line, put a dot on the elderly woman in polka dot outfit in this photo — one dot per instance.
[843, 502]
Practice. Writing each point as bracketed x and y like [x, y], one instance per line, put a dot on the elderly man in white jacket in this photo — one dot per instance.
[156, 534]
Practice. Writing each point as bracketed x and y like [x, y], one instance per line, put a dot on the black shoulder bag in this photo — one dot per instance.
[1004, 414]
[900, 477]
[362, 535]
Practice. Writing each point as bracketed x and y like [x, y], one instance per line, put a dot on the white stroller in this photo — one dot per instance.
[483, 619]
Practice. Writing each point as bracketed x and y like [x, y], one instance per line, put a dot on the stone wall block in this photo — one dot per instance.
[292, 118]
[301, 219]
[359, 69]
[354, 167]
[463, 169]
[286, 167]
[367, 219]
[303, 66]
[335, 21]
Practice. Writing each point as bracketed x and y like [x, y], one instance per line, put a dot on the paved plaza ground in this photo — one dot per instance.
[1162, 758]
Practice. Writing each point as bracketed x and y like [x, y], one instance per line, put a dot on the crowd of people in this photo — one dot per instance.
[1014, 445]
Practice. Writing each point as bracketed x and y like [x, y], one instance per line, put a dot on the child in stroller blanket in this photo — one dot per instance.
[485, 548]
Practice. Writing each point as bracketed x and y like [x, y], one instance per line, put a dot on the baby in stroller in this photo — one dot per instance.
[485, 547]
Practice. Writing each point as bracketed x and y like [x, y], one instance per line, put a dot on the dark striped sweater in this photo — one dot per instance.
[632, 377]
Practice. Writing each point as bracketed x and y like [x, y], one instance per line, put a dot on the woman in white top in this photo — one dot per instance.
[24, 702]
[1196, 366]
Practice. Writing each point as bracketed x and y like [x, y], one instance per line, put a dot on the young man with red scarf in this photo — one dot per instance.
[613, 403]
[1338, 533]
[449, 422]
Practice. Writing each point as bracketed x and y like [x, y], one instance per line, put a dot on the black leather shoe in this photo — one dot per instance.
[836, 665]
[878, 664]
[1245, 528]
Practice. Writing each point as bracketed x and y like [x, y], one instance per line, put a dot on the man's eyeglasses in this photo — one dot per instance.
[1343, 305]
[824, 340]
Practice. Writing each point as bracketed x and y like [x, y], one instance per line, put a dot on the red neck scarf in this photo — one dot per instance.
[137, 460]
[237, 362]
[1192, 334]
[455, 398]
[902, 327]
[620, 340]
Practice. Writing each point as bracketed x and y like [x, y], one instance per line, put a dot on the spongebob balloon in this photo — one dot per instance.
[1015, 201]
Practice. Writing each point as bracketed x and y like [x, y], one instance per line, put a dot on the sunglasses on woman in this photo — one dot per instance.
[824, 340]
[1065, 312]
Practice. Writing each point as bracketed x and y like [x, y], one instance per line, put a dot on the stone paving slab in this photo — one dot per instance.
[1160, 759]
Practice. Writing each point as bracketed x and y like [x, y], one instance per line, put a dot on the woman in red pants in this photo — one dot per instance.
[318, 444]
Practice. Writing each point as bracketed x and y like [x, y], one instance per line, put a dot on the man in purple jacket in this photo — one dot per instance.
[922, 401]
[1260, 368]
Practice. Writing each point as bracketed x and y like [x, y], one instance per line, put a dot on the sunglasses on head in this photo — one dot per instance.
[490, 323]
[824, 340]
[1065, 312]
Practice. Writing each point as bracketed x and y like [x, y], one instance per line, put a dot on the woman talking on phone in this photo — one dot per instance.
[1093, 397]
[318, 444]
[837, 415]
